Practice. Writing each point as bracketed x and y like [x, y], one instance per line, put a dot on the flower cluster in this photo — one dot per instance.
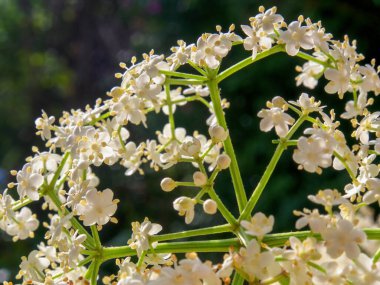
[339, 248]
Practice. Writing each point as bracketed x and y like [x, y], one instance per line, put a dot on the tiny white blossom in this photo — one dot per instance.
[185, 207]
[28, 182]
[98, 207]
[23, 225]
[343, 238]
[141, 234]
[296, 37]
[259, 225]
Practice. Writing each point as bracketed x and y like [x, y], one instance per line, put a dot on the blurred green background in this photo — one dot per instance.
[62, 54]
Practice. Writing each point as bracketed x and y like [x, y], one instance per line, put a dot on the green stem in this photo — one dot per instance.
[222, 208]
[186, 82]
[228, 147]
[175, 247]
[183, 75]
[195, 66]
[344, 162]
[376, 256]
[193, 233]
[245, 62]
[269, 170]
[95, 235]
[58, 171]
[141, 259]
[238, 279]
[21, 203]
[309, 57]
[100, 118]
[279, 239]
[95, 273]
[170, 107]
[185, 184]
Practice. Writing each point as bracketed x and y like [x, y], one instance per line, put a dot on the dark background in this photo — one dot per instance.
[57, 55]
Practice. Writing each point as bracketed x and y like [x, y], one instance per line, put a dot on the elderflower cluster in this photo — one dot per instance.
[340, 244]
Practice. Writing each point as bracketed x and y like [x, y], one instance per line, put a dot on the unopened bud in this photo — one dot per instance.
[168, 184]
[200, 179]
[223, 161]
[210, 207]
[191, 146]
[217, 133]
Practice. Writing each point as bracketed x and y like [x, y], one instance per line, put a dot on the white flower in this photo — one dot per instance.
[95, 146]
[327, 198]
[97, 208]
[334, 274]
[28, 182]
[277, 118]
[310, 73]
[23, 224]
[366, 272]
[259, 225]
[57, 228]
[296, 37]
[33, 266]
[256, 41]
[371, 80]
[373, 193]
[141, 234]
[44, 126]
[129, 109]
[268, 20]
[312, 155]
[339, 80]
[211, 48]
[357, 108]
[45, 161]
[257, 264]
[181, 54]
[307, 104]
[343, 238]
[370, 123]
[185, 207]
[317, 222]
[6, 212]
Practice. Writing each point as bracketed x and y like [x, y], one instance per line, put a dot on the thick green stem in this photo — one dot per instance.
[269, 170]
[175, 247]
[228, 147]
[94, 276]
[193, 233]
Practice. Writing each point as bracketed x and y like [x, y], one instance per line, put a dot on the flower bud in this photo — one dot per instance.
[191, 146]
[168, 184]
[223, 161]
[217, 133]
[200, 179]
[210, 207]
